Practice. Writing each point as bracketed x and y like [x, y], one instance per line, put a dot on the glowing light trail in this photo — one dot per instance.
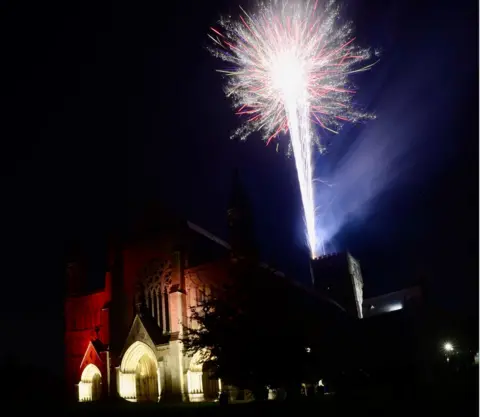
[291, 63]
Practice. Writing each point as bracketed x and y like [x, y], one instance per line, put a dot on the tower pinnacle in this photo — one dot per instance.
[240, 221]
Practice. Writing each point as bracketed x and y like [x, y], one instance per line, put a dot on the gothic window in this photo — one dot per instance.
[167, 312]
[194, 324]
[158, 311]
[200, 295]
[155, 279]
[154, 304]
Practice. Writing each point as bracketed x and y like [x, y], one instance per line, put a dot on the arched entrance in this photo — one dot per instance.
[139, 374]
[146, 379]
[201, 385]
[211, 385]
[90, 385]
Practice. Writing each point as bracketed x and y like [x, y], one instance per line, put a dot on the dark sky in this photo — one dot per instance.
[103, 103]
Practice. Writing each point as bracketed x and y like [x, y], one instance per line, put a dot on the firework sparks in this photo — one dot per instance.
[290, 69]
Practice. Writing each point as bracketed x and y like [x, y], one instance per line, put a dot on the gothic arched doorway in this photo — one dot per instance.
[146, 379]
[201, 384]
[90, 385]
[139, 374]
[211, 385]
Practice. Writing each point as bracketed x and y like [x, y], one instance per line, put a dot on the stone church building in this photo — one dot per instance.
[124, 338]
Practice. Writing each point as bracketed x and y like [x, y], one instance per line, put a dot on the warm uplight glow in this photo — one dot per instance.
[194, 378]
[195, 386]
[127, 387]
[139, 363]
[90, 384]
[200, 386]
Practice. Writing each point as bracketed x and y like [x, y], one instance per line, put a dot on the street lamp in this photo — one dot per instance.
[448, 347]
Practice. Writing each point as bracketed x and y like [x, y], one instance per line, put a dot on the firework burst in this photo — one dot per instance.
[290, 71]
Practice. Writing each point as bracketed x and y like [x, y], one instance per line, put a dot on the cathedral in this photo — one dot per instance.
[126, 336]
[124, 339]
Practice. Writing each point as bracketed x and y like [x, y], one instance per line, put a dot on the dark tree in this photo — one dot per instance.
[262, 330]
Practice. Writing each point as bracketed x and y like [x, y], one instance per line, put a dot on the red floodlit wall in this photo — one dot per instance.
[86, 319]
[211, 274]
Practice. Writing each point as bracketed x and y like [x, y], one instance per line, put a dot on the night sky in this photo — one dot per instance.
[105, 103]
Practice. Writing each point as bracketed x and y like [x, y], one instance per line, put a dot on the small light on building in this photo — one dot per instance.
[394, 307]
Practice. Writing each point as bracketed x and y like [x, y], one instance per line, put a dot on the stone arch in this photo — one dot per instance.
[139, 375]
[90, 385]
[201, 387]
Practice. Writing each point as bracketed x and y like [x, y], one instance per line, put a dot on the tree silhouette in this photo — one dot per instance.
[261, 330]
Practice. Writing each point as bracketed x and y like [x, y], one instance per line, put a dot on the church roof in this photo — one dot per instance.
[94, 348]
[153, 219]
[310, 291]
[153, 330]
[144, 328]
[98, 345]
[208, 235]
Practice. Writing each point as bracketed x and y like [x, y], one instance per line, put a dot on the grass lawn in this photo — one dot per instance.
[374, 404]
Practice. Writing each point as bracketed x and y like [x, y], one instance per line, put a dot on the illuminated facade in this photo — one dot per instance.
[125, 338]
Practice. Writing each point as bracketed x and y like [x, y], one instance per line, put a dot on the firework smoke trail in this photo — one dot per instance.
[290, 69]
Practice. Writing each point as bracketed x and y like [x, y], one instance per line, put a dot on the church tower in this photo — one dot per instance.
[240, 222]
[338, 276]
